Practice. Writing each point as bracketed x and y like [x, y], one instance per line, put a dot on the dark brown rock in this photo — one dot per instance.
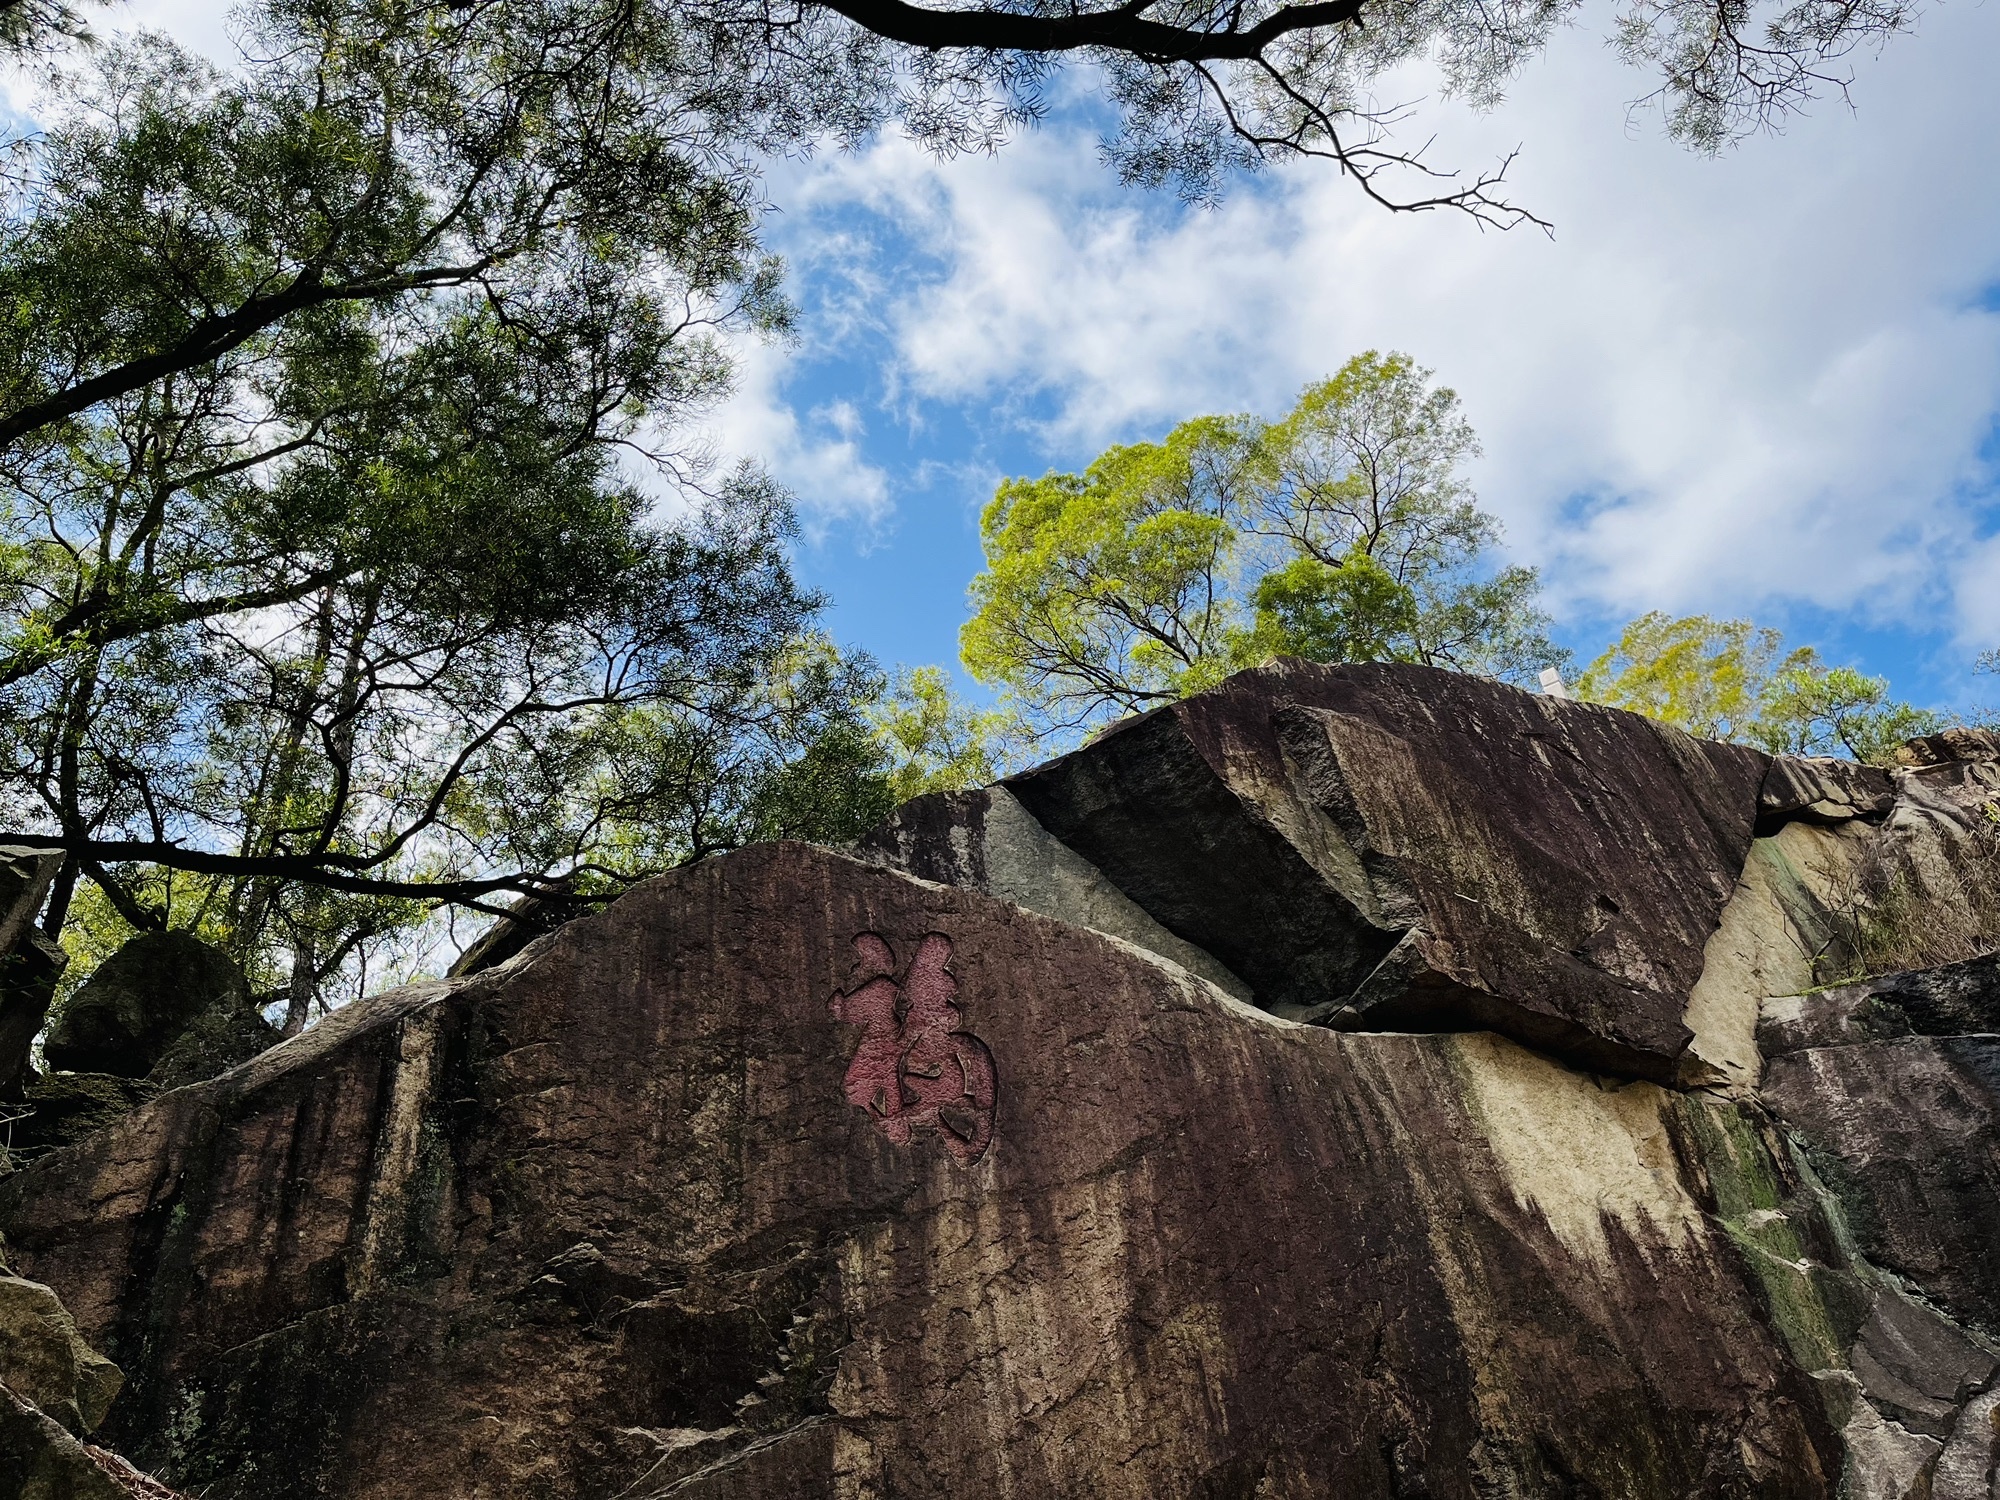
[482, 1238]
[1819, 789]
[1952, 1000]
[1404, 848]
[143, 1000]
[54, 1388]
[527, 918]
[40, 1460]
[30, 964]
[1893, 1085]
[984, 840]
[1907, 1134]
[61, 1108]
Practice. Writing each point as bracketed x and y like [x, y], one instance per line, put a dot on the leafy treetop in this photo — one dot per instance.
[1342, 532]
[1731, 680]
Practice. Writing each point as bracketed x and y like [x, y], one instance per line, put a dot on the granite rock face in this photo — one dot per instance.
[509, 1237]
[54, 1389]
[981, 1161]
[1895, 1085]
[1405, 848]
[1821, 790]
[986, 841]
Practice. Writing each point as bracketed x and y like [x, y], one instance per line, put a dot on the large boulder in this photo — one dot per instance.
[997, 1159]
[1404, 848]
[793, 1176]
[160, 991]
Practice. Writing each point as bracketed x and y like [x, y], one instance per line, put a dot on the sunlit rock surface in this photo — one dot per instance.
[990, 1161]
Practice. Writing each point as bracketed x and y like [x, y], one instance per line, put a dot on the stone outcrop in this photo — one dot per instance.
[1956, 746]
[1821, 790]
[472, 1239]
[165, 1005]
[986, 841]
[1894, 1086]
[987, 1160]
[54, 1390]
[527, 918]
[1405, 848]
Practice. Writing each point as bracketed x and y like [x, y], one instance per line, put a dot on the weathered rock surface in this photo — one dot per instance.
[957, 1168]
[44, 1360]
[54, 1389]
[41, 1460]
[1401, 848]
[1959, 744]
[1821, 790]
[1953, 1000]
[986, 841]
[61, 1108]
[528, 917]
[164, 1001]
[1894, 1086]
[468, 1238]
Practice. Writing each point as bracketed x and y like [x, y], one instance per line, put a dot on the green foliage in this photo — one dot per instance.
[1111, 588]
[372, 160]
[1343, 532]
[935, 741]
[1355, 611]
[798, 758]
[1706, 676]
[1731, 680]
[1811, 709]
[38, 26]
[314, 619]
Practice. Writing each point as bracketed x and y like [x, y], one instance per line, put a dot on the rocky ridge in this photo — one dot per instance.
[1350, 1082]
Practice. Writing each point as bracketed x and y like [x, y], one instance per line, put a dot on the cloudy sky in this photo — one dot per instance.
[1766, 385]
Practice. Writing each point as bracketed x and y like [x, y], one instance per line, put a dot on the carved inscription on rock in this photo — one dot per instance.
[915, 1069]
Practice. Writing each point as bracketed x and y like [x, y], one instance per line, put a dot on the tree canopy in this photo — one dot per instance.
[353, 559]
[1342, 532]
[347, 560]
[1731, 680]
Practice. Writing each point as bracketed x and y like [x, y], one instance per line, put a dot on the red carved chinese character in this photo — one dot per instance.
[915, 1070]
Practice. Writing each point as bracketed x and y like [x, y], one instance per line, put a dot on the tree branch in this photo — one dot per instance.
[1122, 30]
[212, 337]
[93, 853]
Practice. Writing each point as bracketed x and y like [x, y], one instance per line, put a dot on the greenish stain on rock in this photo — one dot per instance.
[1779, 1222]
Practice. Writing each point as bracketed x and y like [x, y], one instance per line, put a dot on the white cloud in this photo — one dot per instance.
[818, 457]
[1752, 382]
[1764, 379]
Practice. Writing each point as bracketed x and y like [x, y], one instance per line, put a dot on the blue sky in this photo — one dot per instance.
[1764, 385]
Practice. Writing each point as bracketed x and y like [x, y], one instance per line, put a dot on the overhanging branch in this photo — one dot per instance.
[319, 872]
[1124, 29]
